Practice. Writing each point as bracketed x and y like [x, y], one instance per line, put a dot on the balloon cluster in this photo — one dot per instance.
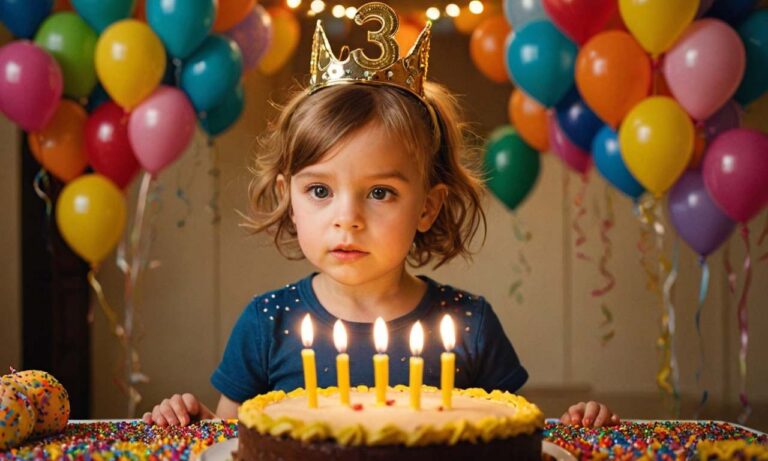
[650, 92]
[119, 86]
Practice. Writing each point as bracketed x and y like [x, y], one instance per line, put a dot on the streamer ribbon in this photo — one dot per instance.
[42, 184]
[744, 327]
[703, 290]
[521, 266]
[581, 211]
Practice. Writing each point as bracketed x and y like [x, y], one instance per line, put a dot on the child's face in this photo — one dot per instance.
[358, 209]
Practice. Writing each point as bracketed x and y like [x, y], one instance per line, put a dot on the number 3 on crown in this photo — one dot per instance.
[384, 37]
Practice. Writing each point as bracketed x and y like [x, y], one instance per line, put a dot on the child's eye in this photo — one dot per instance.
[318, 191]
[381, 193]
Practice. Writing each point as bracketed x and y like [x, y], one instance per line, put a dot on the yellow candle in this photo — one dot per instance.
[308, 361]
[447, 360]
[342, 361]
[416, 365]
[380, 361]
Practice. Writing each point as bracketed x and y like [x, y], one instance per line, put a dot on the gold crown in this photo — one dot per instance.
[408, 72]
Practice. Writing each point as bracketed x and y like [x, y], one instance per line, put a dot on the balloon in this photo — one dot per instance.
[253, 35]
[231, 12]
[90, 213]
[512, 167]
[728, 117]
[656, 24]
[576, 120]
[521, 12]
[530, 119]
[735, 168]
[702, 85]
[285, 38]
[160, 128]
[99, 14]
[704, 6]
[754, 35]
[607, 157]
[406, 36]
[697, 219]
[486, 48]
[573, 156]
[30, 85]
[580, 19]
[540, 59]
[72, 43]
[23, 17]
[732, 11]
[62, 5]
[130, 61]
[107, 146]
[182, 25]
[221, 117]
[140, 11]
[656, 142]
[613, 74]
[211, 71]
[59, 146]
[466, 22]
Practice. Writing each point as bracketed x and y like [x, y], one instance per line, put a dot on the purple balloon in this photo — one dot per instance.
[698, 220]
[726, 118]
[30, 84]
[253, 34]
[735, 171]
[573, 156]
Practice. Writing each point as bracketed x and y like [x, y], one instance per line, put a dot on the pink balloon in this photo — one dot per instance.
[30, 85]
[705, 66]
[573, 156]
[161, 127]
[736, 172]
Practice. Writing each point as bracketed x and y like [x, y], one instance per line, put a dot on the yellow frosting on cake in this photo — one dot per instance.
[476, 415]
[731, 449]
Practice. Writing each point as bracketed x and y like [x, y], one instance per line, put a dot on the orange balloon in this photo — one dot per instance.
[467, 21]
[230, 13]
[406, 36]
[486, 47]
[699, 146]
[530, 119]
[140, 12]
[286, 31]
[62, 5]
[659, 86]
[613, 74]
[59, 146]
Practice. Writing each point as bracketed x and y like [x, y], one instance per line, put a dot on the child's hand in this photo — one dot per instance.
[179, 410]
[590, 414]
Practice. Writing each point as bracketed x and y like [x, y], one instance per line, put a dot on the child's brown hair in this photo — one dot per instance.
[311, 124]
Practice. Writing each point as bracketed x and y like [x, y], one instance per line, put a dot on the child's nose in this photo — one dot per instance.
[348, 215]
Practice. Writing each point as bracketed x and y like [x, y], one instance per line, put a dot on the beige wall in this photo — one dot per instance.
[209, 271]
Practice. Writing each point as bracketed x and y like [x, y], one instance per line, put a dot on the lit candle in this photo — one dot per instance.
[342, 361]
[308, 360]
[416, 364]
[380, 361]
[447, 359]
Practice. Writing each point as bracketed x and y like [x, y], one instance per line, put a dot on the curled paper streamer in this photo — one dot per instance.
[703, 290]
[522, 266]
[185, 177]
[730, 273]
[746, 409]
[605, 226]
[214, 173]
[645, 245]
[581, 211]
[42, 184]
[671, 329]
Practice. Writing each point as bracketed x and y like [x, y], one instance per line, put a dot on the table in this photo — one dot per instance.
[132, 439]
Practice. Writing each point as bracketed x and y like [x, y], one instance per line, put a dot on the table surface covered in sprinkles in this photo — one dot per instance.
[134, 440]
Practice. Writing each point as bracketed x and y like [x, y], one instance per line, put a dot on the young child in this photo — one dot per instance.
[363, 178]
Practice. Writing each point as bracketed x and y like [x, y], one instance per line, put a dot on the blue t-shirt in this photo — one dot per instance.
[264, 351]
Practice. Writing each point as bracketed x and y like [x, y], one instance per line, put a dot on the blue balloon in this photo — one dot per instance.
[221, 117]
[540, 59]
[754, 34]
[99, 14]
[608, 161]
[211, 71]
[521, 12]
[576, 120]
[731, 11]
[23, 17]
[182, 25]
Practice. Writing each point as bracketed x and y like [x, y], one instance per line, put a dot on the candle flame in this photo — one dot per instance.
[340, 336]
[307, 333]
[448, 332]
[417, 339]
[380, 336]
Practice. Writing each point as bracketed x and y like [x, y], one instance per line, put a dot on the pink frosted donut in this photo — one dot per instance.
[49, 398]
[17, 415]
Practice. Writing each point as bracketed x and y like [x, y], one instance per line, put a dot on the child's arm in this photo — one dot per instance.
[182, 409]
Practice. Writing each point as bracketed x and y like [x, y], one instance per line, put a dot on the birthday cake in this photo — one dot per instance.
[479, 425]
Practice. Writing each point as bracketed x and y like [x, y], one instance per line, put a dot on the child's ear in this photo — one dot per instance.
[433, 204]
[282, 187]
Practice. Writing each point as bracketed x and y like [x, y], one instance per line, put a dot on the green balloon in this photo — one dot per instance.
[511, 166]
[68, 38]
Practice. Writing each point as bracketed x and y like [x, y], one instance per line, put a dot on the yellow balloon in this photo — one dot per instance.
[130, 62]
[285, 39]
[656, 141]
[656, 24]
[90, 213]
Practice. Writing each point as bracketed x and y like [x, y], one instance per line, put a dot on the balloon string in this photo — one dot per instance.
[744, 327]
[581, 211]
[703, 290]
[42, 184]
[215, 173]
[184, 183]
[730, 273]
[645, 245]
[605, 226]
[670, 310]
[762, 237]
[521, 266]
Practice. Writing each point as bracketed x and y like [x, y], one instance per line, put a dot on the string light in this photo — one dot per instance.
[452, 10]
[317, 6]
[293, 3]
[476, 7]
[433, 13]
[351, 12]
[338, 11]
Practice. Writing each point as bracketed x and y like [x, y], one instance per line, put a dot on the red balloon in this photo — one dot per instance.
[580, 19]
[107, 146]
